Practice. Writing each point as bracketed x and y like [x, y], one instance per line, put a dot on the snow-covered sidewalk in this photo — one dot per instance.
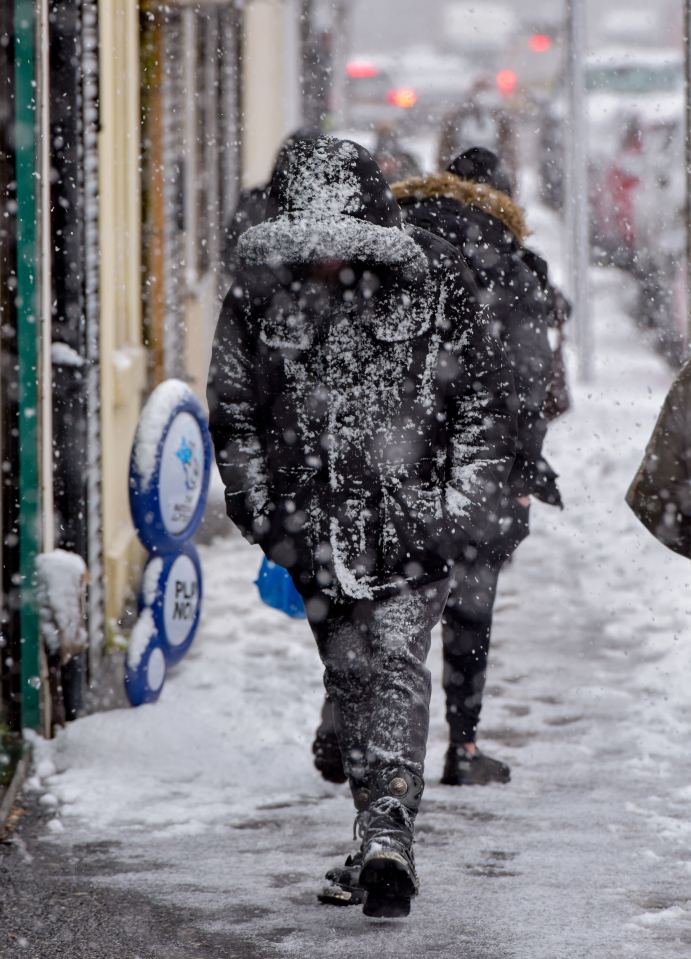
[211, 801]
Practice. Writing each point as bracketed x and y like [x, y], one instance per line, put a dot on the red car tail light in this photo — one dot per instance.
[360, 69]
[404, 97]
[507, 82]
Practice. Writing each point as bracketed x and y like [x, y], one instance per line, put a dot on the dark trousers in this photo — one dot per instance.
[467, 623]
[374, 654]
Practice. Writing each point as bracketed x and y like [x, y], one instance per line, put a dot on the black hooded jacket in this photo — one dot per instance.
[487, 228]
[361, 414]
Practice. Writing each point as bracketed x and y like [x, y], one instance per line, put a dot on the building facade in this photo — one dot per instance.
[126, 130]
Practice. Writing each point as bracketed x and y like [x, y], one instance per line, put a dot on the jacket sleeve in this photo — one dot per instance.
[660, 494]
[481, 421]
[518, 309]
[235, 422]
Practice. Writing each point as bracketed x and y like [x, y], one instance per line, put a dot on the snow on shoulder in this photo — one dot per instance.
[156, 413]
[293, 238]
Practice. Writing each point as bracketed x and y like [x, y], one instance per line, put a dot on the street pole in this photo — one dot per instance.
[687, 158]
[45, 281]
[26, 154]
[340, 52]
[577, 188]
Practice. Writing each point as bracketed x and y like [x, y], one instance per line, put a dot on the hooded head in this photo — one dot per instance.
[481, 166]
[330, 202]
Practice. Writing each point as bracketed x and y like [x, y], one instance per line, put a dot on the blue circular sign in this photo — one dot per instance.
[172, 589]
[170, 468]
[145, 663]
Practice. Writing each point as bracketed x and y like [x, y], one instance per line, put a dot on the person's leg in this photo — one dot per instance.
[374, 656]
[466, 630]
[344, 650]
[343, 644]
[327, 753]
[376, 676]
[400, 634]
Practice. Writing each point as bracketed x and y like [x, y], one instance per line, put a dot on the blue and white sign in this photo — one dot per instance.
[169, 482]
[172, 590]
[169, 468]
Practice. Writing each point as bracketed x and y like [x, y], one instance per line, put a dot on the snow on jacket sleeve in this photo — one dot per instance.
[234, 420]
[482, 421]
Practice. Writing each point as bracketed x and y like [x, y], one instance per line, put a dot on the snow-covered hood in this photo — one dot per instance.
[331, 202]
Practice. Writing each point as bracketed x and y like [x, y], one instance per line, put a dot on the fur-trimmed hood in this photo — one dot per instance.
[480, 195]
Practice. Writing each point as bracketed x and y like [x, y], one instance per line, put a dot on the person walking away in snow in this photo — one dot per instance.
[660, 494]
[481, 120]
[470, 205]
[390, 155]
[467, 679]
[362, 420]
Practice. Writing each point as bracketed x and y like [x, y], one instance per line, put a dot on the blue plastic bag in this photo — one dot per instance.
[276, 589]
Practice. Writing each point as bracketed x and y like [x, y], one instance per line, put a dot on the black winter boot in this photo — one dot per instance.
[462, 769]
[388, 865]
[343, 884]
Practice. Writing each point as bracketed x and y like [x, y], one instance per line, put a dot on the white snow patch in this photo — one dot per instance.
[155, 415]
[294, 239]
[64, 355]
[61, 583]
[142, 634]
[150, 579]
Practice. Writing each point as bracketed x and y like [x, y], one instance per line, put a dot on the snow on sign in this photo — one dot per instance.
[169, 481]
[145, 663]
[169, 467]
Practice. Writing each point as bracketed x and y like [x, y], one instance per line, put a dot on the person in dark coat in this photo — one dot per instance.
[470, 206]
[363, 426]
[482, 120]
[660, 494]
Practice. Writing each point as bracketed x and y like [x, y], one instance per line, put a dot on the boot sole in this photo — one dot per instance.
[389, 887]
[340, 896]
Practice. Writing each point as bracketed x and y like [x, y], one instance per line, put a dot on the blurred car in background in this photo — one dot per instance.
[411, 90]
[371, 94]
